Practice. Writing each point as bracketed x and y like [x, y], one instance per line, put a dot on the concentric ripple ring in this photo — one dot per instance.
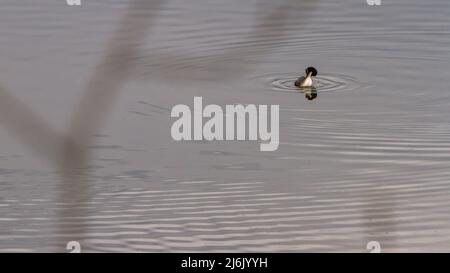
[323, 83]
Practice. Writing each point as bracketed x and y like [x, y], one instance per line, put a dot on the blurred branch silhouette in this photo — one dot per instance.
[29, 128]
[95, 105]
[270, 27]
[69, 151]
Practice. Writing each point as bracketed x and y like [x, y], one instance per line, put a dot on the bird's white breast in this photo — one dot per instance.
[306, 82]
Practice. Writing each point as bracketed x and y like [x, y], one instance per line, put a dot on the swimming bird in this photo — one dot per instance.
[307, 80]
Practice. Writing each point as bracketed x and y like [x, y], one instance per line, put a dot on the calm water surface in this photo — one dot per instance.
[367, 160]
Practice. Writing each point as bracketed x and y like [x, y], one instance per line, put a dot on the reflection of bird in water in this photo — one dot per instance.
[305, 83]
[310, 92]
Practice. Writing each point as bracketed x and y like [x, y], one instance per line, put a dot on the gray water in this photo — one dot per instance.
[368, 160]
